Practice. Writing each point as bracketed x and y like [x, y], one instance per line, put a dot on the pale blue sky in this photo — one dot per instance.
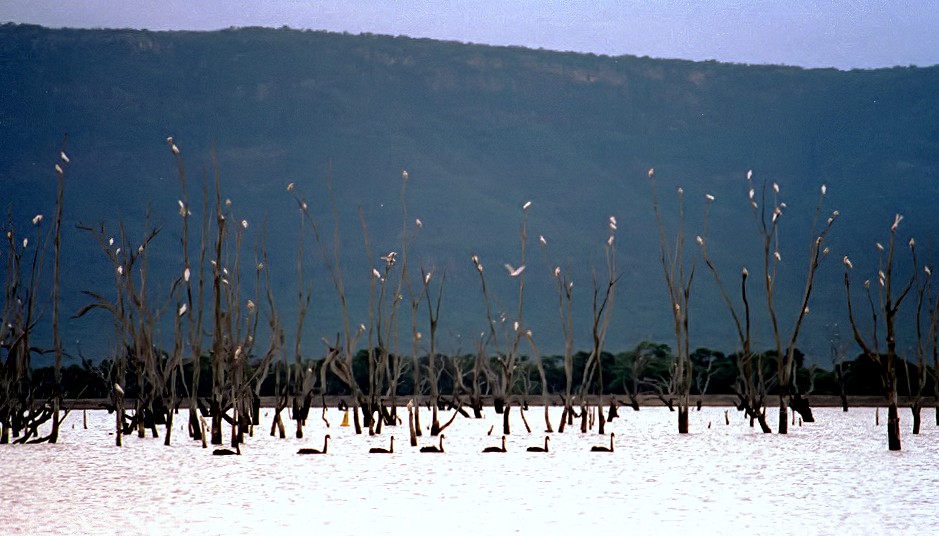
[838, 33]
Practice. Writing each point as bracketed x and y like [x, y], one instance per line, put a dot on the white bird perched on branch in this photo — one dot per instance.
[514, 272]
[527, 205]
[847, 262]
[182, 310]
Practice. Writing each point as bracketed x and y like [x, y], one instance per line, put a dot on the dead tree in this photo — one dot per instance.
[602, 313]
[837, 353]
[923, 340]
[887, 311]
[678, 284]
[767, 224]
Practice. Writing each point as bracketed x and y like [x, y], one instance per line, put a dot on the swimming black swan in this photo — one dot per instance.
[314, 451]
[496, 449]
[228, 452]
[379, 450]
[603, 449]
[539, 449]
[434, 448]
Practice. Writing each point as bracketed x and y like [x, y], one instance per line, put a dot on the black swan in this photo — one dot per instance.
[379, 450]
[603, 449]
[434, 448]
[496, 449]
[228, 452]
[539, 449]
[314, 451]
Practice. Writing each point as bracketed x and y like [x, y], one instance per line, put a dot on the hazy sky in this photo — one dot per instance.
[835, 33]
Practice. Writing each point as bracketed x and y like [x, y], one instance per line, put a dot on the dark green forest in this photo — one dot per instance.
[716, 374]
[481, 130]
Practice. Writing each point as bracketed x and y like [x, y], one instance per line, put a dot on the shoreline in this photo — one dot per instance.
[645, 400]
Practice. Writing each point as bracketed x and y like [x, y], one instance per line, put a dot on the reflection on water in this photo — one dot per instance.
[834, 476]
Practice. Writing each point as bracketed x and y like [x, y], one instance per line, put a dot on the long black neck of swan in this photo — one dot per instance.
[325, 444]
[503, 443]
[611, 442]
[392, 449]
[546, 444]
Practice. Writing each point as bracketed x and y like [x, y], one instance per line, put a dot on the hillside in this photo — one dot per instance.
[480, 130]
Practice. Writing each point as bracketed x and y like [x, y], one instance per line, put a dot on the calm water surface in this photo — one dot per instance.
[834, 476]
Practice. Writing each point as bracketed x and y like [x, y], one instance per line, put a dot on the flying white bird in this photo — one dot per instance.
[389, 258]
[514, 272]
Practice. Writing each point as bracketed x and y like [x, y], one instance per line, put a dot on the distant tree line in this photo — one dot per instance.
[627, 373]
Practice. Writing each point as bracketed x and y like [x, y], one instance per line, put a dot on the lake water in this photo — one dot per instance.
[834, 476]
